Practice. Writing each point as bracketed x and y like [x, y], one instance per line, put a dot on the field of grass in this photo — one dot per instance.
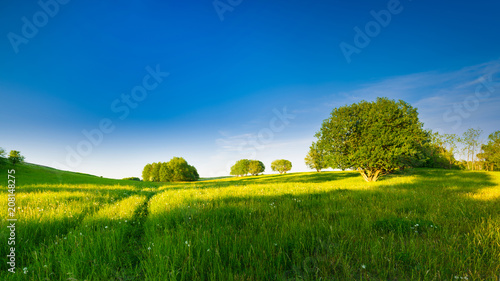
[423, 225]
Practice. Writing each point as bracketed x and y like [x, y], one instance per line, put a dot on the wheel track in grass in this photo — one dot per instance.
[135, 238]
[72, 225]
[41, 236]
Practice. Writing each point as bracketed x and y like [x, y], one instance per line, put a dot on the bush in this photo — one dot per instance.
[132, 179]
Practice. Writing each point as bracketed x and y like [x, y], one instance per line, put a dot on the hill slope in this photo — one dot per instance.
[29, 174]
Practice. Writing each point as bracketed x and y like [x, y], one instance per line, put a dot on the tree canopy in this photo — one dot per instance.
[256, 167]
[281, 166]
[177, 169]
[438, 151]
[315, 158]
[244, 166]
[146, 172]
[374, 137]
[240, 168]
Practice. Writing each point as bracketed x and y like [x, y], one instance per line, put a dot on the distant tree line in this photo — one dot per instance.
[177, 169]
[442, 151]
[132, 179]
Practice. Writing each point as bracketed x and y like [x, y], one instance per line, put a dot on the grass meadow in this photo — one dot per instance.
[422, 225]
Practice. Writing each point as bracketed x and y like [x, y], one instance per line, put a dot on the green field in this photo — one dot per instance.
[423, 225]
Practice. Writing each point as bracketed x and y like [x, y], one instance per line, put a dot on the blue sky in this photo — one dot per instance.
[246, 79]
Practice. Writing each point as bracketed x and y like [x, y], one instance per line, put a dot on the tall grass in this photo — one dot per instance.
[426, 225]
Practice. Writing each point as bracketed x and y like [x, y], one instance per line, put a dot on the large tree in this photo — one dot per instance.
[256, 167]
[491, 151]
[281, 165]
[15, 157]
[315, 158]
[240, 168]
[374, 137]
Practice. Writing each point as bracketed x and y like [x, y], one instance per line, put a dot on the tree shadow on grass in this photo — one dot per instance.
[32, 233]
[312, 177]
[119, 192]
[452, 181]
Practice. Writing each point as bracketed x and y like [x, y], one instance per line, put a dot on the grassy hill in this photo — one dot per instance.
[425, 225]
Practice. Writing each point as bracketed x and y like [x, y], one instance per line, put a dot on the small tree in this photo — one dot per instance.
[256, 167]
[15, 157]
[2, 153]
[240, 168]
[374, 137]
[315, 158]
[281, 166]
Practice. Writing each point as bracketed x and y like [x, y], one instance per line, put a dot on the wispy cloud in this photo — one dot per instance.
[448, 101]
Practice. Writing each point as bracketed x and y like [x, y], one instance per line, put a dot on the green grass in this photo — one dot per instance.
[425, 225]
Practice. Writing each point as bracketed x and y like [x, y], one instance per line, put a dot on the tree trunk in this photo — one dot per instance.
[369, 176]
[362, 172]
[375, 177]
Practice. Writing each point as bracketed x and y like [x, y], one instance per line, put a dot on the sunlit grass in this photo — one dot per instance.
[422, 225]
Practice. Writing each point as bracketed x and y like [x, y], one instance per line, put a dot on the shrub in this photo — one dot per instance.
[132, 179]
